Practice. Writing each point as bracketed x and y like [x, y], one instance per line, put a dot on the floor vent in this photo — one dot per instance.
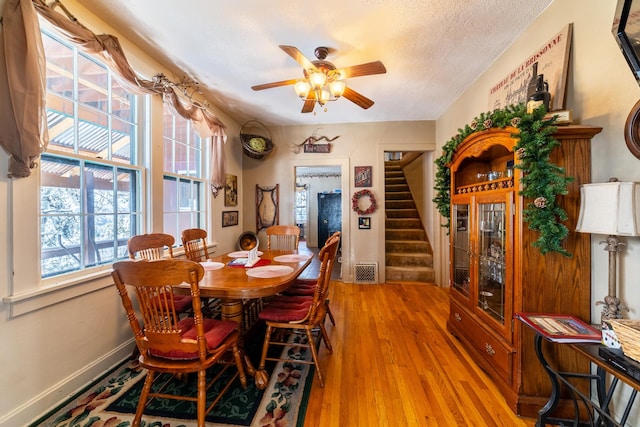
[365, 272]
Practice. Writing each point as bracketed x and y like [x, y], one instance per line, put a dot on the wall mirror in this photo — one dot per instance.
[626, 30]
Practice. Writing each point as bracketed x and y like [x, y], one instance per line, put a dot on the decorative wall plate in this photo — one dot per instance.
[632, 130]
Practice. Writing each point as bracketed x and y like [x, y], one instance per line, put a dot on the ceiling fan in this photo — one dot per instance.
[324, 82]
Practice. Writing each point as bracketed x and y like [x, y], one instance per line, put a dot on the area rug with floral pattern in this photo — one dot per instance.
[112, 400]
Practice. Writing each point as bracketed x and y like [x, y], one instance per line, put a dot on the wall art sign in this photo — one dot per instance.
[231, 190]
[229, 218]
[553, 62]
[362, 176]
[317, 148]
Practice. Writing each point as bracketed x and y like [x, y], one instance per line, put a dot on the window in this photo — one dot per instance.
[183, 183]
[89, 176]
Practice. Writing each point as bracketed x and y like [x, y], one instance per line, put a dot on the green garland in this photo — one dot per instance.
[542, 181]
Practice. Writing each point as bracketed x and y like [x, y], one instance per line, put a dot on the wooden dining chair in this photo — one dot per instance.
[194, 242]
[301, 313]
[283, 237]
[306, 287]
[168, 343]
[151, 246]
[154, 246]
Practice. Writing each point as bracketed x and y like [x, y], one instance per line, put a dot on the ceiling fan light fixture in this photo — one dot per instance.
[324, 96]
[337, 88]
[302, 88]
[317, 79]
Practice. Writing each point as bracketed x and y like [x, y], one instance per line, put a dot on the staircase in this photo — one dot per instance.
[409, 257]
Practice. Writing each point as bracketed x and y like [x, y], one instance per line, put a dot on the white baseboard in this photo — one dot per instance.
[44, 402]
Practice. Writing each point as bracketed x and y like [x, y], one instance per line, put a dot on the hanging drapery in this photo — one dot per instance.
[23, 124]
[109, 49]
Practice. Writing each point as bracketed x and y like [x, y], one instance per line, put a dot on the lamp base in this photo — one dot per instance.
[612, 308]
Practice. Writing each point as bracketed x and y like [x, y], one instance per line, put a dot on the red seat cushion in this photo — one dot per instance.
[302, 287]
[182, 302]
[215, 332]
[281, 310]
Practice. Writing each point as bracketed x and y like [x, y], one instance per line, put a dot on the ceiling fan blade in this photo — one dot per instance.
[367, 69]
[309, 103]
[274, 84]
[293, 52]
[356, 98]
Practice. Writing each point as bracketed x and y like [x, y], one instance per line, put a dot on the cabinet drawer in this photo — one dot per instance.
[492, 350]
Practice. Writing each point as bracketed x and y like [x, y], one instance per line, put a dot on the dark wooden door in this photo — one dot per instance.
[329, 216]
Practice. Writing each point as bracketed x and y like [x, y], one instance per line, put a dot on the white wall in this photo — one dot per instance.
[601, 92]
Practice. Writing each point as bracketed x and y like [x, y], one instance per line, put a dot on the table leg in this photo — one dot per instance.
[232, 310]
[551, 404]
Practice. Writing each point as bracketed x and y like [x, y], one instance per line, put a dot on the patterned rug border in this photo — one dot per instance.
[88, 405]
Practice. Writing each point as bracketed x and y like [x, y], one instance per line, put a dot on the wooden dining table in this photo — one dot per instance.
[236, 285]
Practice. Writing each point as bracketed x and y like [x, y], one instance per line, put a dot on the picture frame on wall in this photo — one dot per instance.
[231, 190]
[364, 223]
[362, 176]
[229, 218]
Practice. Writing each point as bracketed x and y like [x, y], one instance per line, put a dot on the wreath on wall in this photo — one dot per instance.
[355, 202]
[542, 181]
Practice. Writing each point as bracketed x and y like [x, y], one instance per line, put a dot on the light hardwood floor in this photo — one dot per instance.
[395, 364]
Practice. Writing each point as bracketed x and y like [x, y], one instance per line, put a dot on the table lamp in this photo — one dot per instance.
[610, 208]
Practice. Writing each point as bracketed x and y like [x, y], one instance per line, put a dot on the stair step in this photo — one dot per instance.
[397, 188]
[399, 204]
[413, 274]
[408, 259]
[405, 234]
[393, 223]
[407, 246]
[393, 174]
[399, 180]
[402, 213]
[398, 195]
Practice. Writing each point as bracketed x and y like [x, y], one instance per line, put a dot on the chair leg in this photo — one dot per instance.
[326, 304]
[144, 395]
[239, 364]
[314, 354]
[325, 337]
[202, 396]
[265, 346]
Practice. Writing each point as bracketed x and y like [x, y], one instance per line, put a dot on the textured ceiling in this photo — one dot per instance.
[432, 49]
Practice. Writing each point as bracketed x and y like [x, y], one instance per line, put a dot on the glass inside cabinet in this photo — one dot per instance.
[491, 259]
[460, 227]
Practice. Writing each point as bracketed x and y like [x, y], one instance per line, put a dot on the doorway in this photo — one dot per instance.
[311, 182]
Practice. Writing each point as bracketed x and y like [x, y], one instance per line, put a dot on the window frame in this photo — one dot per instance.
[28, 291]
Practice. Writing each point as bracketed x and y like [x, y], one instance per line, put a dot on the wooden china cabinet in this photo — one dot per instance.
[496, 272]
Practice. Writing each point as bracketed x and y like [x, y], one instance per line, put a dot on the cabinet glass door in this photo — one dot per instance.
[491, 259]
[460, 252]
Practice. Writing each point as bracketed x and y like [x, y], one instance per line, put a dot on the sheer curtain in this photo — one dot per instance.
[24, 135]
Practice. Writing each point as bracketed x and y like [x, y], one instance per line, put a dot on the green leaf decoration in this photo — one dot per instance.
[542, 181]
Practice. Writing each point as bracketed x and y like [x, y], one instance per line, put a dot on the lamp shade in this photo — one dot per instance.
[610, 208]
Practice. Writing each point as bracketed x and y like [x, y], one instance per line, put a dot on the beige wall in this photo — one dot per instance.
[358, 145]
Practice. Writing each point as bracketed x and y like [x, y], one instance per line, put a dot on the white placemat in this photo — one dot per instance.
[292, 257]
[211, 265]
[268, 271]
[242, 254]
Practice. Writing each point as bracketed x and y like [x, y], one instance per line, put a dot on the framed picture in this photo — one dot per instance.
[267, 201]
[362, 176]
[364, 222]
[229, 218]
[231, 190]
